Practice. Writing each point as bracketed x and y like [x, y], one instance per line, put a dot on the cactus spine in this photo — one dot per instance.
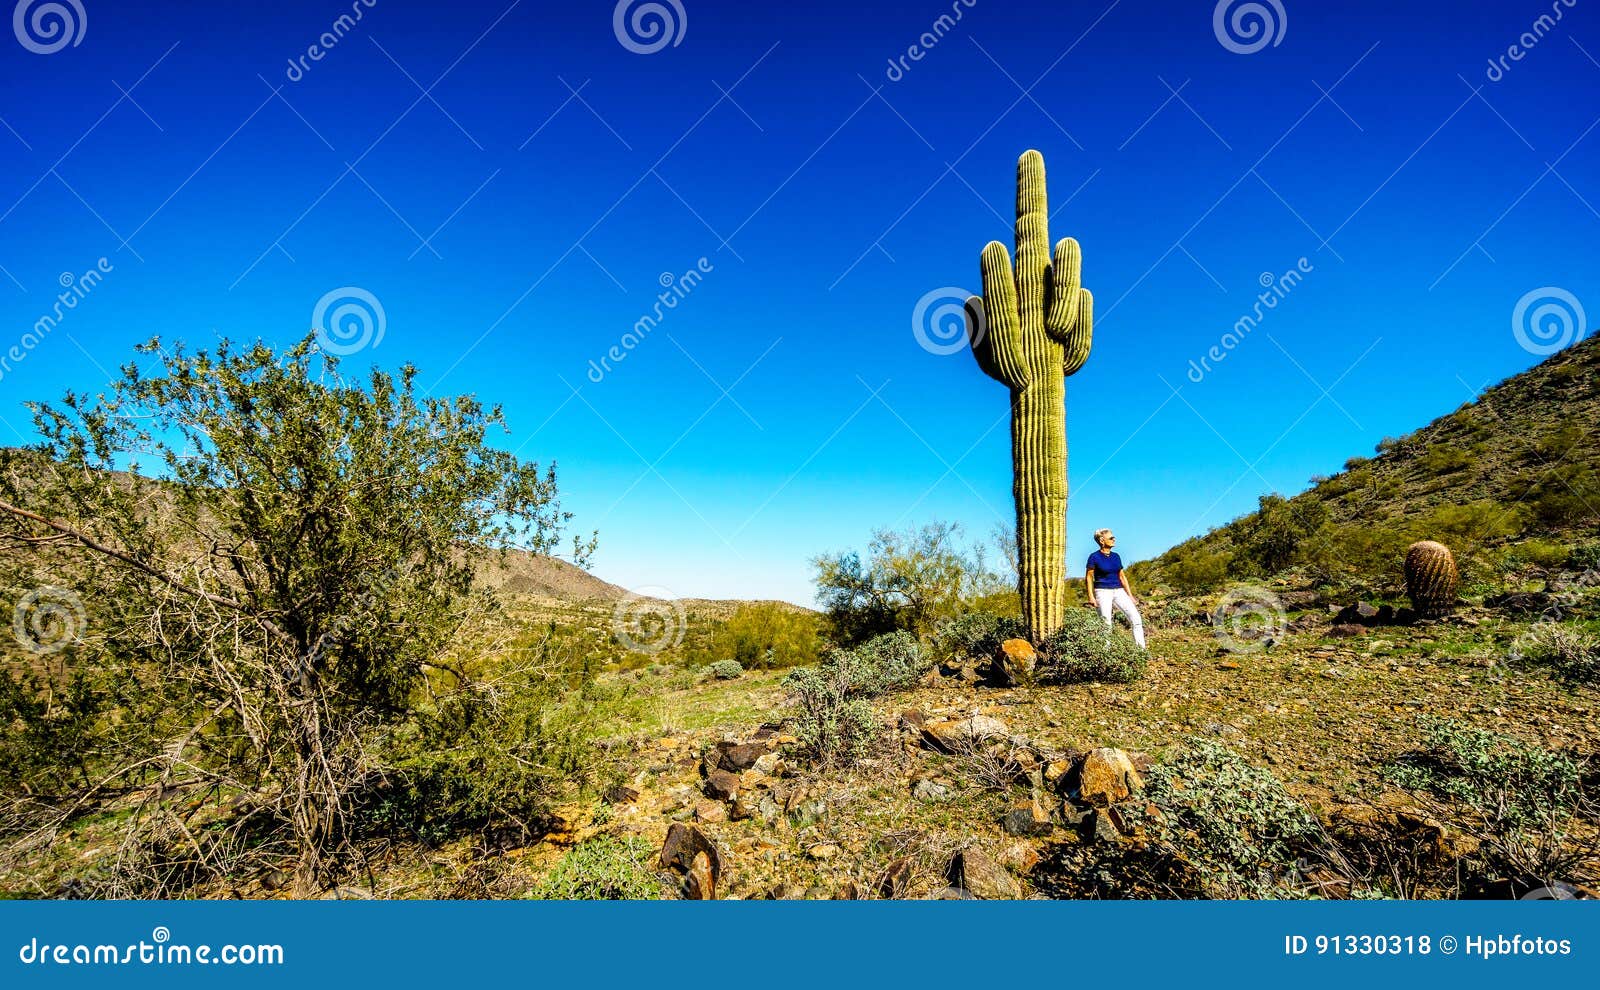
[1431, 577]
[1029, 330]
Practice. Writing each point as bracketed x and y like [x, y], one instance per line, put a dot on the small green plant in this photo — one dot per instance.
[1585, 557]
[975, 635]
[1083, 650]
[1232, 821]
[1571, 652]
[726, 670]
[880, 665]
[1511, 781]
[606, 868]
[835, 728]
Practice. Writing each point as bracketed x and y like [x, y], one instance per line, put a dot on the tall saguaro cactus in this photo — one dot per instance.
[1029, 330]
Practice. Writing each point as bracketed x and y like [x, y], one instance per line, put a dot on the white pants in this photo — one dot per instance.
[1109, 598]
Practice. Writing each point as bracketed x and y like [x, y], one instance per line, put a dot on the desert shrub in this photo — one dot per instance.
[834, 727]
[1540, 553]
[606, 868]
[1193, 570]
[880, 665]
[1272, 537]
[1232, 821]
[1572, 653]
[295, 548]
[975, 635]
[910, 580]
[1439, 460]
[769, 635]
[1522, 801]
[1585, 557]
[1083, 649]
[488, 757]
[726, 670]
[1356, 462]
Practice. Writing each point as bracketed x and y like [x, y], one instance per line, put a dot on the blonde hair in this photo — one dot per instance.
[1100, 535]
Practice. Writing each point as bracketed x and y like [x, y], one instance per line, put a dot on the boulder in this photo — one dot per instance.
[974, 872]
[710, 812]
[957, 735]
[1027, 819]
[735, 757]
[722, 785]
[620, 794]
[930, 791]
[1106, 777]
[683, 843]
[1345, 630]
[1359, 613]
[822, 851]
[1014, 661]
[701, 882]
[1019, 857]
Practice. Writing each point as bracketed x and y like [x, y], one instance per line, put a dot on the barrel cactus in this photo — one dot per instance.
[1431, 577]
[1029, 330]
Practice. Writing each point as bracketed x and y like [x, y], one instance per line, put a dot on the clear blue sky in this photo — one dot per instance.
[516, 222]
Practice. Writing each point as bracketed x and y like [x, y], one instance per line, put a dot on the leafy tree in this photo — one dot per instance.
[1272, 537]
[764, 635]
[294, 547]
[911, 579]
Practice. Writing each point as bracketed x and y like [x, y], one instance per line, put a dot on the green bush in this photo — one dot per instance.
[1585, 557]
[880, 665]
[1232, 821]
[1083, 649]
[606, 868]
[1512, 784]
[1571, 652]
[770, 634]
[835, 728]
[975, 635]
[726, 670]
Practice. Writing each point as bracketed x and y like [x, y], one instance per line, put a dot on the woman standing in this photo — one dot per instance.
[1108, 585]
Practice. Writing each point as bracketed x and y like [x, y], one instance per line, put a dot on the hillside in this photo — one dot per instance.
[1507, 479]
[546, 577]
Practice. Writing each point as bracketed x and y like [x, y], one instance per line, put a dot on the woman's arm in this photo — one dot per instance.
[1088, 582]
[1122, 575]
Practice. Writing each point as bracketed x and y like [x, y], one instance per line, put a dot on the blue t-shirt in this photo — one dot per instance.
[1107, 569]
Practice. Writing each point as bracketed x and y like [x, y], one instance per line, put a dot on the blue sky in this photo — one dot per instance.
[513, 183]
